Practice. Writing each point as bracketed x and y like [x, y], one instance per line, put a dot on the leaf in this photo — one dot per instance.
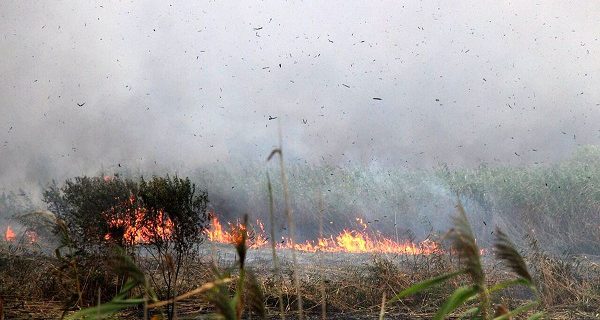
[129, 284]
[458, 297]
[509, 283]
[122, 263]
[464, 243]
[105, 310]
[202, 289]
[470, 313]
[219, 297]
[254, 296]
[420, 286]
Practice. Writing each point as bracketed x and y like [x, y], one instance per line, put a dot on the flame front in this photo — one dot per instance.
[351, 241]
[10, 235]
[216, 233]
[137, 229]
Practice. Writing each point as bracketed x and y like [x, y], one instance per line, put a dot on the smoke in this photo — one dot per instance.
[158, 86]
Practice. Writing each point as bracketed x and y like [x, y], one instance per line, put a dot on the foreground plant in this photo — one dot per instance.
[138, 292]
[246, 292]
[463, 242]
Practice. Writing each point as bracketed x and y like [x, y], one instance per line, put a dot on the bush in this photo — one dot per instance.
[164, 215]
[87, 204]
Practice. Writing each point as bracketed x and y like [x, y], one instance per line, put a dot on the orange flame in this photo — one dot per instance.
[136, 228]
[10, 234]
[216, 233]
[29, 235]
[352, 241]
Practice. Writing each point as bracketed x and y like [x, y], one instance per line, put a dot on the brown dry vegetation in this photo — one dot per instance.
[37, 285]
[34, 287]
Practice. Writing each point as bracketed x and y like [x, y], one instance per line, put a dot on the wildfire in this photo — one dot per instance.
[10, 235]
[136, 228]
[351, 241]
[216, 233]
[30, 236]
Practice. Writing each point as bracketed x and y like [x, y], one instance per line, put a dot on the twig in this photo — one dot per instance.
[205, 287]
[382, 312]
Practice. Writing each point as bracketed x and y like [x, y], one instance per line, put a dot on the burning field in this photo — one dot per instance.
[115, 240]
[349, 240]
[171, 160]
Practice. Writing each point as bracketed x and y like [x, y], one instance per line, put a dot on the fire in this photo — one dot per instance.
[351, 241]
[354, 241]
[216, 233]
[10, 235]
[28, 237]
[136, 227]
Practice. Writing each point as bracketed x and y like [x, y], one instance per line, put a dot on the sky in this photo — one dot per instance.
[159, 85]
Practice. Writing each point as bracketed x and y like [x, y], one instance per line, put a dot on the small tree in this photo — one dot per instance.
[164, 215]
[83, 207]
[88, 204]
[175, 216]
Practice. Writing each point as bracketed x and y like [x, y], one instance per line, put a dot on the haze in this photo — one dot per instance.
[157, 85]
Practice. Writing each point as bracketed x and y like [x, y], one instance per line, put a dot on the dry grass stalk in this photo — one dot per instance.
[320, 262]
[290, 220]
[276, 272]
[382, 311]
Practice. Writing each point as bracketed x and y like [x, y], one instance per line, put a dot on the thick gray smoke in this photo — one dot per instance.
[154, 85]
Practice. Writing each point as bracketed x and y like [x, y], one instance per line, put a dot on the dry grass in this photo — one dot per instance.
[331, 285]
[567, 285]
[352, 290]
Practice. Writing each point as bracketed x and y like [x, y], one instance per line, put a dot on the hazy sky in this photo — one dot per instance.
[180, 84]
